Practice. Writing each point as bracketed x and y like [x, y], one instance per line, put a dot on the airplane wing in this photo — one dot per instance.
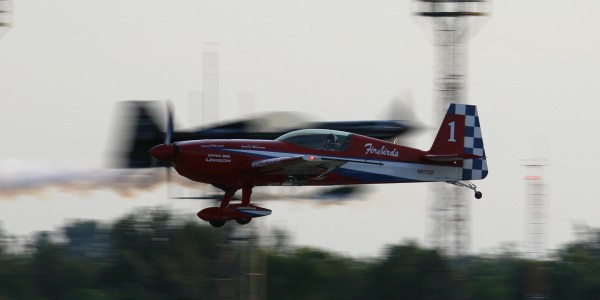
[312, 166]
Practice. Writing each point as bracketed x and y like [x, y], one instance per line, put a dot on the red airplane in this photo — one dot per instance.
[325, 157]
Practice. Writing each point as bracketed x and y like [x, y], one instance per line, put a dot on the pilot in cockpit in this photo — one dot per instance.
[331, 143]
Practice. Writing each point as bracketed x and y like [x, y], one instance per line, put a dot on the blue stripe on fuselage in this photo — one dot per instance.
[368, 177]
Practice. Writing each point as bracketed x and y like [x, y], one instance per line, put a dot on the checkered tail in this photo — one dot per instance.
[473, 169]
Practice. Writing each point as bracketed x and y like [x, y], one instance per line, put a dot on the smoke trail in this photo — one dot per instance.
[19, 179]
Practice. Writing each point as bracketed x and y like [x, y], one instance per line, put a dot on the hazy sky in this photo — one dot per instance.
[532, 71]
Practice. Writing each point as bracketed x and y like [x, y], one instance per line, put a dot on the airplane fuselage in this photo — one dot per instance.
[367, 161]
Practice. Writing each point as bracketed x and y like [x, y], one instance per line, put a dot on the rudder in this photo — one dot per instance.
[460, 138]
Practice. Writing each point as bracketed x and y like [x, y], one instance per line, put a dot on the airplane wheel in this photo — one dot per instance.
[243, 221]
[478, 195]
[217, 224]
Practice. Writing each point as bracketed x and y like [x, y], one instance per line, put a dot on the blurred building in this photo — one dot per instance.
[203, 107]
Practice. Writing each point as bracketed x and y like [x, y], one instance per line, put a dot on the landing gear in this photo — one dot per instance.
[217, 224]
[242, 213]
[220, 223]
[243, 221]
[469, 185]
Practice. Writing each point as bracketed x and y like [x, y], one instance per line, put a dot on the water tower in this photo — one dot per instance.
[451, 20]
[5, 15]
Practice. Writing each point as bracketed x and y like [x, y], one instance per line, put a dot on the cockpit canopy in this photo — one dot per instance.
[318, 139]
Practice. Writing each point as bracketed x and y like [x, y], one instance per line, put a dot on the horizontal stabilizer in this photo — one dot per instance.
[449, 157]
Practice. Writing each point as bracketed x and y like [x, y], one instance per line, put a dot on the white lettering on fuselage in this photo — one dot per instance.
[252, 147]
[218, 158]
[380, 151]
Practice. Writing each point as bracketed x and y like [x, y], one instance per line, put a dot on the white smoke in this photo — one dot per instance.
[18, 178]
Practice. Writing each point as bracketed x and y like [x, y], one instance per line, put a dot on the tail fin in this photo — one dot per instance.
[459, 139]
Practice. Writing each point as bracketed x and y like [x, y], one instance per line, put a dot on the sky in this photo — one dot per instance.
[532, 71]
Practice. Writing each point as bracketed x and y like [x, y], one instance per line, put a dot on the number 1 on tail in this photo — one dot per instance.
[452, 127]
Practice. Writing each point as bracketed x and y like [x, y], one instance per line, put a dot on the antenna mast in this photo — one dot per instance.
[535, 246]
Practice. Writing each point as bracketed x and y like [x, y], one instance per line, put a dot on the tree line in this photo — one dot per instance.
[152, 254]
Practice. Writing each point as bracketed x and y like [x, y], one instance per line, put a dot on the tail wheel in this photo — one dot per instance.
[467, 184]
[217, 224]
[243, 221]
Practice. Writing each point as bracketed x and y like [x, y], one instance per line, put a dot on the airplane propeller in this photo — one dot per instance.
[169, 131]
[167, 151]
[401, 108]
[169, 135]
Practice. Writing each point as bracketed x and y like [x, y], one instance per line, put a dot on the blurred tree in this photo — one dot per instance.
[315, 274]
[87, 239]
[3, 241]
[576, 273]
[52, 273]
[502, 277]
[13, 283]
[151, 254]
[157, 257]
[409, 272]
